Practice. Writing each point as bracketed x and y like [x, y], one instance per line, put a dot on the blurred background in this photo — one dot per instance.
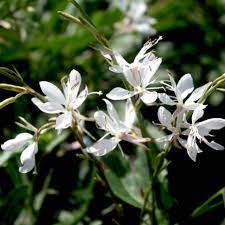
[43, 46]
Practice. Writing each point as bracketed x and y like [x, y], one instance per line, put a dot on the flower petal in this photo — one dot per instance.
[192, 105]
[149, 97]
[141, 54]
[146, 75]
[102, 147]
[197, 114]
[165, 117]
[103, 120]
[185, 85]
[193, 151]
[52, 92]
[105, 53]
[76, 102]
[213, 145]
[130, 115]
[27, 158]
[111, 111]
[133, 76]
[73, 83]
[182, 142]
[119, 59]
[212, 124]
[64, 121]
[119, 94]
[48, 107]
[197, 93]
[18, 142]
[118, 69]
[164, 98]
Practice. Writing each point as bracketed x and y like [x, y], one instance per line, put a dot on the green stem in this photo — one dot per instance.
[35, 94]
[99, 165]
[151, 170]
[10, 87]
[214, 85]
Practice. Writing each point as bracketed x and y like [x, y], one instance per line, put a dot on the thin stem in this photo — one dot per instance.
[213, 86]
[151, 171]
[10, 87]
[35, 94]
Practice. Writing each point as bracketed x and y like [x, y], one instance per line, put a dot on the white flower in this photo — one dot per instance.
[182, 89]
[135, 19]
[119, 130]
[198, 131]
[166, 119]
[139, 74]
[63, 103]
[25, 142]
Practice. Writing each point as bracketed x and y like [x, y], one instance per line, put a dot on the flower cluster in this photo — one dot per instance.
[185, 101]
[142, 85]
[135, 19]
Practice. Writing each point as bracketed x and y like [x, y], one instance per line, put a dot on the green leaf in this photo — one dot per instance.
[210, 203]
[223, 222]
[13, 204]
[129, 179]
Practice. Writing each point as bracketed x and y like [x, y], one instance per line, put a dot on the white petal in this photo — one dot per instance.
[185, 85]
[149, 57]
[111, 111]
[193, 151]
[102, 147]
[197, 114]
[28, 165]
[73, 83]
[186, 132]
[153, 66]
[165, 117]
[48, 107]
[133, 76]
[76, 102]
[149, 97]
[64, 121]
[192, 105]
[130, 115]
[143, 50]
[18, 142]
[213, 124]
[27, 158]
[103, 120]
[119, 94]
[120, 60]
[52, 92]
[106, 54]
[118, 69]
[197, 93]
[214, 145]
[164, 98]
[182, 142]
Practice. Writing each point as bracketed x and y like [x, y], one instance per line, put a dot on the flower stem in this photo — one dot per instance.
[213, 87]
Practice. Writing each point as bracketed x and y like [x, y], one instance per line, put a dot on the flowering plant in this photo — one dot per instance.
[179, 108]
